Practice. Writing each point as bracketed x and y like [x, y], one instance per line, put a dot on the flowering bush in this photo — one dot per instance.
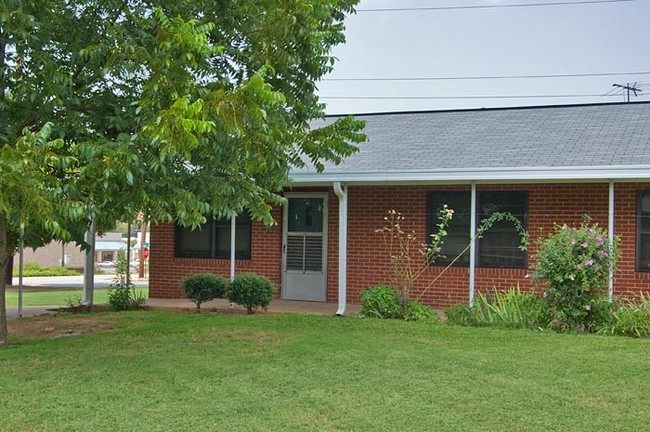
[574, 264]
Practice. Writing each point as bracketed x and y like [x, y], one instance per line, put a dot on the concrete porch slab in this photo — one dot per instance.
[276, 306]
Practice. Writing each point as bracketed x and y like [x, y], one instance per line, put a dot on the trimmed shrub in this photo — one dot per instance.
[417, 311]
[385, 302]
[203, 287]
[574, 264]
[251, 291]
[381, 301]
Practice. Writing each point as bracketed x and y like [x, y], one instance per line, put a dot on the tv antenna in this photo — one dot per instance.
[630, 88]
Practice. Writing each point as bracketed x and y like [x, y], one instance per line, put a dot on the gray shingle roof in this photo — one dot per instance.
[568, 139]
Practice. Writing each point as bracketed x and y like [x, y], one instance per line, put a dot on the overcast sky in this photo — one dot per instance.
[612, 36]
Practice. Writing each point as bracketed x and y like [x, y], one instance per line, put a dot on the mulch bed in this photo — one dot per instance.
[56, 326]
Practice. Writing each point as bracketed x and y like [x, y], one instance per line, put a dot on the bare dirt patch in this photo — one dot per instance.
[55, 326]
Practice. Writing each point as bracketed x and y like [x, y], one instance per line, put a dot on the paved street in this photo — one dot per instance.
[101, 281]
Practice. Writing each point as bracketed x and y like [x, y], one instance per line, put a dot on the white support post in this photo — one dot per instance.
[89, 266]
[610, 229]
[472, 245]
[20, 270]
[233, 231]
[342, 194]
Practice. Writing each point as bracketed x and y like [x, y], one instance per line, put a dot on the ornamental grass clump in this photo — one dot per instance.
[505, 309]
[574, 264]
[630, 318]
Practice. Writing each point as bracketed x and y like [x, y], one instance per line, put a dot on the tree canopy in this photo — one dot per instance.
[181, 109]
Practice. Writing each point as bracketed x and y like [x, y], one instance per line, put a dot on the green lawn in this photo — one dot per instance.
[56, 297]
[162, 371]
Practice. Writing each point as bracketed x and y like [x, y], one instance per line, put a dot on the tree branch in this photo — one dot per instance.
[111, 23]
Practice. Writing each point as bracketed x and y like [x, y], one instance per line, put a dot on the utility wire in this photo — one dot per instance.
[490, 77]
[435, 8]
[613, 92]
[465, 97]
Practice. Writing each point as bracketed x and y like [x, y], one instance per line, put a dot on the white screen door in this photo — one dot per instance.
[305, 247]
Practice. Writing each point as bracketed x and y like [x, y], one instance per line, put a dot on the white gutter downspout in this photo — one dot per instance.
[89, 265]
[610, 229]
[472, 245]
[342, 193]
[233, 230]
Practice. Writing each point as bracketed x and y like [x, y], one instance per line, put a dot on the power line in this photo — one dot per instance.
[463, 97]
[435, 8]
[490, 77]
[613, 92]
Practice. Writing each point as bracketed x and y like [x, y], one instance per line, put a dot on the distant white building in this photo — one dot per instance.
[71, 256]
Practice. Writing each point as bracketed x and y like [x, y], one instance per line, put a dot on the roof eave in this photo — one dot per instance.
[514, 174]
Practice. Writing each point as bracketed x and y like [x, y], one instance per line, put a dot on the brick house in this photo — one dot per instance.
[545, 165]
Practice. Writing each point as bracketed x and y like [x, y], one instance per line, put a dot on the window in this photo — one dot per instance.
[499, 246]
[457, 237]
[643, 231]
[212, 239]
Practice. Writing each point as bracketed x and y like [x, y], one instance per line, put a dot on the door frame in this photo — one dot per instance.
[285, 228]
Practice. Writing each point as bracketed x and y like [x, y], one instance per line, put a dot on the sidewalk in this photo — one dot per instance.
[276, 306]
[31, 311]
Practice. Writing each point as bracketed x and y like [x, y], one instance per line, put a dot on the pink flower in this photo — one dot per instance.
[599, 241]
[603, 254]
[573, 241]
[584, 245]
[589, 262]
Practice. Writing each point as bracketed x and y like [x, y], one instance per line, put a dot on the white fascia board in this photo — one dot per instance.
[455, 175]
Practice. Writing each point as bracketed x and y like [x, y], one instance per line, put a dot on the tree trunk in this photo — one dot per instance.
[3, 284]
[10, 271]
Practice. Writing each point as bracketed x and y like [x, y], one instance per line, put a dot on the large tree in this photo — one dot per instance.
[182, 109]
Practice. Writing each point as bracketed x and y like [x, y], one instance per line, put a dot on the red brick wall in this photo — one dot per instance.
[368, 260]
[167, 270]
